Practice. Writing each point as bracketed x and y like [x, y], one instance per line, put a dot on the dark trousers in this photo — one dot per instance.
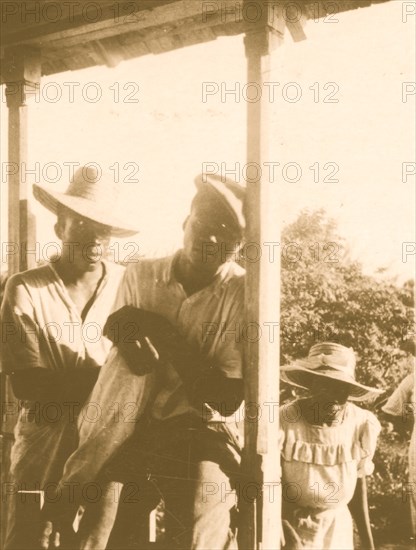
[191, 466]
[24, 523]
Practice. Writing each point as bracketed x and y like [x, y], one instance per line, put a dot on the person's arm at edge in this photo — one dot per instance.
[359, 510]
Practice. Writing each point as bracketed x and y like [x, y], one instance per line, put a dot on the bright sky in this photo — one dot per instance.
[170, 132]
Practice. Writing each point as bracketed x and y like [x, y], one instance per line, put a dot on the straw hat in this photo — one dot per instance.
[329, 360]
[91, 196]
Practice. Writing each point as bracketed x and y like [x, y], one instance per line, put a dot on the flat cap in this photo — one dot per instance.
[231, 194]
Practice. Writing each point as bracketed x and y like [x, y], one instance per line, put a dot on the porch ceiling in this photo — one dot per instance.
[75, 34]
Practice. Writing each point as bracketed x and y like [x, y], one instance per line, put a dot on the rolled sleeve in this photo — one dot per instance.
[400, 398]
[19, 331]
[368, 443]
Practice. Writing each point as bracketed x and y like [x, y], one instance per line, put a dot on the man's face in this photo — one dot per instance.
[85, 243]
[209, 240]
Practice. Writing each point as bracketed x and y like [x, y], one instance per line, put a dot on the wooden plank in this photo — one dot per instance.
[110, 51]
[17, 155]
[195, 37]
[53, 66]
[161, 27]
[318, 9]
[119, 17]
[154, 22]
[150, 28]
[6, 447]
[169, 42]
[82, 31]
[53, 62]
[260, 524]
[135, 49]
[31, 20]
[22, 71]
[25, 74]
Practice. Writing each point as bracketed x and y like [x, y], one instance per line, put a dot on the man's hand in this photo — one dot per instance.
[57, 517]
[50, 536]
[56, 527]
[58, 533]
[128, 331]
[145, 338]
[290, 540]
[140, 355]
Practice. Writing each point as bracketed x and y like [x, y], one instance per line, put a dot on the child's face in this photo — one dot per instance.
[330, 395]
[333, 390]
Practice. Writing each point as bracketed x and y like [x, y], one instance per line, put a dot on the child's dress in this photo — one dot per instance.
[320, 467]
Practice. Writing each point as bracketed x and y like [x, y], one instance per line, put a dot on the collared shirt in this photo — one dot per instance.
[42, 328]
[210, 319]
[121, 396]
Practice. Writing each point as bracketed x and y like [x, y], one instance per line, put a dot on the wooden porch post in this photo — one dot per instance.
[22, 76]
[261, 506]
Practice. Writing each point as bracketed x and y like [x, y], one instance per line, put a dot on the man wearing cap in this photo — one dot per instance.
[51, 320]
[190, 443]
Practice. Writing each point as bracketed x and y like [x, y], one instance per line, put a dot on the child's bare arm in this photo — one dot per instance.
[359, 510]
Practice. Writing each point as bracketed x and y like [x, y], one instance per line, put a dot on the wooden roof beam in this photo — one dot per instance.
[109, 51]
[71, 32]
[32, 19]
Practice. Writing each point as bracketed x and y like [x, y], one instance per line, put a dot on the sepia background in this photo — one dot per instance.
[152, 114]
[339, 106]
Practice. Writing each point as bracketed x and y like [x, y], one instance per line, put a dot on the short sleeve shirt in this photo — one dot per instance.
[41, 326]
[210, 319]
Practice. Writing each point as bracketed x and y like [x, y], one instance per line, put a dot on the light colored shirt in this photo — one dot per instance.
[121, 396]
[210, 319]
[42, 328]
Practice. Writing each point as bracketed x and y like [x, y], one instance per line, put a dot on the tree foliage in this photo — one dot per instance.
[326, 296]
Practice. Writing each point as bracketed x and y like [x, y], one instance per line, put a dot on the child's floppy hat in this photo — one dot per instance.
[329, 360]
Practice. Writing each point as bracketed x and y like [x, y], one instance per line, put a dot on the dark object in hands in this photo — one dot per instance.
[144, 338]
[130, 329]
[130, 324]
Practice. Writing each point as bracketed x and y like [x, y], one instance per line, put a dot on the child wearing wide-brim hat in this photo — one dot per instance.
[327, 445]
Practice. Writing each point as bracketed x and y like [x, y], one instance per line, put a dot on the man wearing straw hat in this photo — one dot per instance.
[51, 319]
[188, 309]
